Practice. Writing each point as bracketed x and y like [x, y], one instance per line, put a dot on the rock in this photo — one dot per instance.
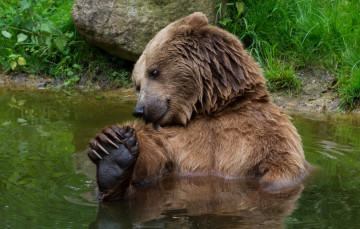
[124, 27]
[334, 104]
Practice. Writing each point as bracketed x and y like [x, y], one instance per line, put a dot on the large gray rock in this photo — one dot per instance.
[124, 27]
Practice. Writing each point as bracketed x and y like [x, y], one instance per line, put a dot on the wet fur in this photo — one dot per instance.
[219, 119]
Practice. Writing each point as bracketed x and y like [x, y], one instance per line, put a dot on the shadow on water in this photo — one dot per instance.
[199, 203]
[47, 181]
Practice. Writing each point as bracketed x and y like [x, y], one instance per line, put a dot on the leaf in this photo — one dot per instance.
[239, 7]
[6, 34]
[34, 39]
[99, 97]
[21, 120]
[77, 66]
[123, 74]
[29, 25]
[13, 100]
[21, 37]
[6, 123]
[60, 43]
[17, 20]
[69, 35]
[24, 5]
[21, 61]
[45, 28]
[48, 41]
[68, 82]
[13, 65]
[36, 27]
[69, 72]
[14, 106]
[71, 81]
[13, 56]
[21, 102]
[225, 21]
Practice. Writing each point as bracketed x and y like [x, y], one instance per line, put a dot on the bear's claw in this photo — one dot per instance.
[114, 151]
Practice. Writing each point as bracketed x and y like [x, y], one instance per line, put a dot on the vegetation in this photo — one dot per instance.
[39, 37]
[288, 36]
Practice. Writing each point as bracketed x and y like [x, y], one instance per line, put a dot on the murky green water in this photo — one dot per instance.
[46, 180]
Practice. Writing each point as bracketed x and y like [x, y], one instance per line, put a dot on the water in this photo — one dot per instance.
[46, 180]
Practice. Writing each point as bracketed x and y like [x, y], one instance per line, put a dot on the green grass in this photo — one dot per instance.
[288, 36]
[351, 90]
[39, 37]
[281, 76]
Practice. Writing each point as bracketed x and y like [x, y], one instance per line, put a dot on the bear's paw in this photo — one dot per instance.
[114, 151]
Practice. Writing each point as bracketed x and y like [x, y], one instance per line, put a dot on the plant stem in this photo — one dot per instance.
[23, 30]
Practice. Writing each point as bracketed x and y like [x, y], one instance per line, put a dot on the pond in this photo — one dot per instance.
[47, 181]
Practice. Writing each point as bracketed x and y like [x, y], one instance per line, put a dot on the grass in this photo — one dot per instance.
[281, 76]
[351, 90]
[289, 36]
[38, 37]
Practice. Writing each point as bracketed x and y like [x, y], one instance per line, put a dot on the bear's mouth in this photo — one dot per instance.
[156, 114]
[155, 122]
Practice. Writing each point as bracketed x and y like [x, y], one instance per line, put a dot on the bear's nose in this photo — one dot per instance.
[138, 111]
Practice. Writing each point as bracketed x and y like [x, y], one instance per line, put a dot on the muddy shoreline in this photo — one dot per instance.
[317, 95]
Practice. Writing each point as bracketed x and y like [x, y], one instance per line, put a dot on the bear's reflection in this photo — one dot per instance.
[199, 203]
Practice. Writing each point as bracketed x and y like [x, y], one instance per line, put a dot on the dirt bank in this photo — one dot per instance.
[40, 82]
[317, 95]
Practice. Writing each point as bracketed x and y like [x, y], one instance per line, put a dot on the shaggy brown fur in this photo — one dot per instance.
[208, 111]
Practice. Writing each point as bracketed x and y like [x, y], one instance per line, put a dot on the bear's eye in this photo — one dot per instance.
[154, 72]
[137, 88]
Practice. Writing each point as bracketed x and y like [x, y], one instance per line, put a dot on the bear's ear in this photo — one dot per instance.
[194, 20]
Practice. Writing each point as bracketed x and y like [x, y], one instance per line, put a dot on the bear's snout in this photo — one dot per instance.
[138, 112]
[153, 111]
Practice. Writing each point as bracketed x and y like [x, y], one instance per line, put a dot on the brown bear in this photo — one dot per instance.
[205, 112]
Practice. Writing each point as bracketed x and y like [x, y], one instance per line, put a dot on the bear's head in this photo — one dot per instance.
[192, 68]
